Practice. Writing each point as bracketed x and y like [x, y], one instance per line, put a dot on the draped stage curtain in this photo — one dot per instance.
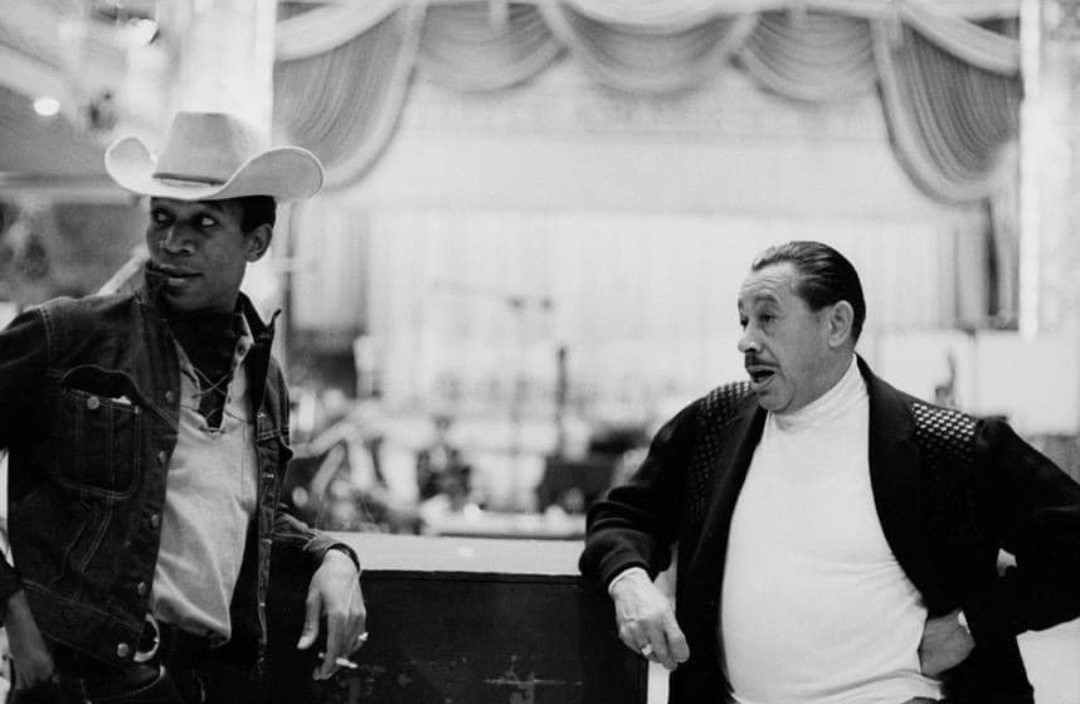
[655, 58]
[341, 78]
[811, 56]
[949, 120]
[949, 86]
[464, 47]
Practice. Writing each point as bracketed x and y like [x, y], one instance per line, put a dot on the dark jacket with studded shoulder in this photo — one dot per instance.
[950, 492]
[89, 408]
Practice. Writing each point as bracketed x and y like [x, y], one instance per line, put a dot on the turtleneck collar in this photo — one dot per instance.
[844, 396]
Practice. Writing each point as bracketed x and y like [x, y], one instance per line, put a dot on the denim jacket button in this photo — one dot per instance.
[141, 588]
[162, 456]
[123, 650]
[93, 403]
[155, 521]
[169, 396]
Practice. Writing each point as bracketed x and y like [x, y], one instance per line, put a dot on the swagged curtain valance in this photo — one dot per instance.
[949, 81]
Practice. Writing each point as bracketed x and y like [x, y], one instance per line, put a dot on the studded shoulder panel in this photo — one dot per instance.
[717, 409]
[942, 430]
[946, 442]
[719, 405]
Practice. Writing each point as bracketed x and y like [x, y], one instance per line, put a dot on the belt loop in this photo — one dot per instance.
[142, 656]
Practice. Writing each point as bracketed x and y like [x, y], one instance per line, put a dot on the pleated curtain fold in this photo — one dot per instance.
[344, 103]
[949, 86]
[949, 122]
[648, 59]
[811, 56]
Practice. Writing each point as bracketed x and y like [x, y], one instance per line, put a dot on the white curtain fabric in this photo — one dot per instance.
[811, 56]
[950, 87]
[468, 48]
[645, 303]
[683, 13]
[647, 60]
[343, 104]
[331, 268]
[967, 41]
[951, 123]
[327, 27]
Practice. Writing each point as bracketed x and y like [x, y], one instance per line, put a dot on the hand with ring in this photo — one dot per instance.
[646, 621]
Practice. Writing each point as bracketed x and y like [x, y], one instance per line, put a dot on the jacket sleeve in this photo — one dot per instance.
[23, 362]
[1035, 508]
[636, 524]
[292, 531]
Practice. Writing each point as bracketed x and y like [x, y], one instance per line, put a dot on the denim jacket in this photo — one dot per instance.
[89, 408]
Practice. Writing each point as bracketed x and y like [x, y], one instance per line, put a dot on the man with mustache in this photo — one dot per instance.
[838, 540]
[148, 438]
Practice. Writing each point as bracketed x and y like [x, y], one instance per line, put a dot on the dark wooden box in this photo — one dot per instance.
[472, 621]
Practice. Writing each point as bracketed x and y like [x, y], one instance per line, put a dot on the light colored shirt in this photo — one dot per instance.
[210, 498]
[815, 607]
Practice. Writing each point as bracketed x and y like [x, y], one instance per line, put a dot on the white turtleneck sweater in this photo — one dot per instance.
[816, 609]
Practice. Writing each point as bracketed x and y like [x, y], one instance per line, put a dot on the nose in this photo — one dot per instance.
[748, 342]
[175, 240]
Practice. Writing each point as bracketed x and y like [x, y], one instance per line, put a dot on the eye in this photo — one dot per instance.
[160, 218]
[205, 222]
[743, 321]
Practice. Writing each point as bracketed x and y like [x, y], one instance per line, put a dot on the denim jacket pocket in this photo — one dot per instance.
[99, 433]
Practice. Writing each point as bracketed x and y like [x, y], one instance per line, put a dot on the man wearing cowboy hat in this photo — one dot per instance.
[147, 437]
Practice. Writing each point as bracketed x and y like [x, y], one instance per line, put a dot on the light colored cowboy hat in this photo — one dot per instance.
[213, 156]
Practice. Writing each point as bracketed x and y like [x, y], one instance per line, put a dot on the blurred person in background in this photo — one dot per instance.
[441, 471]
[838, 540]
[148, 436]
[336, 481]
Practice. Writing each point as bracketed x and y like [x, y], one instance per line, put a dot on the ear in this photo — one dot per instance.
[257, 241]
[840, 318]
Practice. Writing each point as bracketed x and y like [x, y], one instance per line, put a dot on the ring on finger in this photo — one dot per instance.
[647, 650]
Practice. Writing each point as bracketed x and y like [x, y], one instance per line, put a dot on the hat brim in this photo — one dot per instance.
[285, 173]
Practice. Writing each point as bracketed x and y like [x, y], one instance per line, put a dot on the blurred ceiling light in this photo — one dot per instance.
[46, 107]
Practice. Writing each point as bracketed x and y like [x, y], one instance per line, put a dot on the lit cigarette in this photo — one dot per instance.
[341, 662]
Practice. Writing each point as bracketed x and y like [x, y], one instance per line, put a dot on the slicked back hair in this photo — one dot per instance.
[825, 277]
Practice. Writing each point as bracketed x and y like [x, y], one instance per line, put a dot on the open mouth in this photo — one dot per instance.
[760, 375]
